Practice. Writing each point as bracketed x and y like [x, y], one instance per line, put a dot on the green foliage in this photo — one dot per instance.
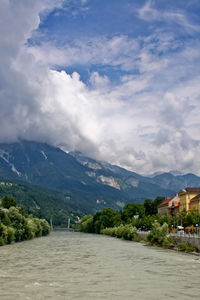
[168, 242]
[41, 202]
[148, 206]
[106, 218]
[45, 226]
[127, 232]
[7, 202]
[132, 209]
[3, 234]
[151, 207]
[11, 235]
[124, 225]
[86, 224]
[15, 226]
[145, 222]
[191, 218]
[186, 247]
[4, 216]
[158, 234]
[102, 219]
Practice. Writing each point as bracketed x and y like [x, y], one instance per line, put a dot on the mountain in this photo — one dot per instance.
[172, 181]
[176, 183]
[91, 184]
[85, 184]
[40, 202]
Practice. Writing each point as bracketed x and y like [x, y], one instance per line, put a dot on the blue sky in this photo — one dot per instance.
[84, 22]
[115, 79]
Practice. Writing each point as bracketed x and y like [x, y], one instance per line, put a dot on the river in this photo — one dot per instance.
[72, 265]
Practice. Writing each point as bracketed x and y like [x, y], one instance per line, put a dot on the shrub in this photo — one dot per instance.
[86, 224]
[45, 227]
[3, 234]
[127, 232]
[158, 234]
[168, 242]
[11, 235]
[38, 227]
[186, 247]
[15, 226]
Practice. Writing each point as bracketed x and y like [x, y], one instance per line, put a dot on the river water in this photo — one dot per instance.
[71, 265]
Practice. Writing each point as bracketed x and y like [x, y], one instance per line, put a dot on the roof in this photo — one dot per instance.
[193, 189]
[166, 201]
[197, 197]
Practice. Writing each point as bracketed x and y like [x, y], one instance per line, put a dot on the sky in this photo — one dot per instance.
[118, 80]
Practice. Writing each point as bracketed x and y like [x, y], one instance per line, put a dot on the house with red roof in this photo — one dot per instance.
[170, 206]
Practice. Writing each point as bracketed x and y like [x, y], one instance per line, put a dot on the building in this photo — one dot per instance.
[174, 206]
[195, 203]
[164, 206]
[170, 206]
[189, 199]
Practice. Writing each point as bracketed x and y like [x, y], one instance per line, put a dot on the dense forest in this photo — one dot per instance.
[16, 225]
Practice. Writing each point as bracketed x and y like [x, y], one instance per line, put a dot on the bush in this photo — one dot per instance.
[158, 234]
[127, 232]
[3, 234]
[86, 224]
[11, 235]
[186, 247]
[168, 242]
[15, 226]
[45, 227]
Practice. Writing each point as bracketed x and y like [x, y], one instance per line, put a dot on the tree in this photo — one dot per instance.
[132, 209]
[158, 233]
[156, 202]
[151, 207]
[86, 224]
[106, 218]
[148, 206]
[8, 201]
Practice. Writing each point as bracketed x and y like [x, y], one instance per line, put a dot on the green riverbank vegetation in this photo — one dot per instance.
[136, 217]
[16, 225]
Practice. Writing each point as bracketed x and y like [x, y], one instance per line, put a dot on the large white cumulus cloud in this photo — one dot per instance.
[148, 122]
[20, 77]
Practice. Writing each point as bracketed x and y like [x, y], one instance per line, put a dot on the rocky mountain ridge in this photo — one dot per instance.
[92, 183]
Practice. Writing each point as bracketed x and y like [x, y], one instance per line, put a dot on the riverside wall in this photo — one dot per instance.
[192, 239]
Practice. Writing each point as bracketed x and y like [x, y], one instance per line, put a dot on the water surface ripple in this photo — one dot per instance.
[69, 265]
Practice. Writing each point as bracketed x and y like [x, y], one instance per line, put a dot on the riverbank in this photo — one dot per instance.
[17, 226]
[158, 236]
[193, 240]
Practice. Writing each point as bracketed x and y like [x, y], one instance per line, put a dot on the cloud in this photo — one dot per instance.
[149, 121]
[150, 14]
[115, 51]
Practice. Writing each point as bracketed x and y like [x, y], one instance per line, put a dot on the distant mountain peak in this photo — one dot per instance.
[89, 179]
[176, 173]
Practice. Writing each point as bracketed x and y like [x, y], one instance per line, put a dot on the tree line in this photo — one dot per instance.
[16, 225]
[140, 216]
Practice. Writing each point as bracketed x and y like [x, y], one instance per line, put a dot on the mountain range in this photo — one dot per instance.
[83, 183]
